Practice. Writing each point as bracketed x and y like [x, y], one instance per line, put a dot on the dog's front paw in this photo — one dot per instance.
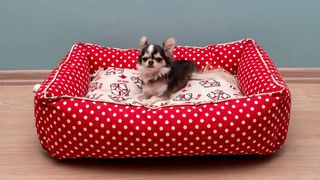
[141, 96]
[151, 101]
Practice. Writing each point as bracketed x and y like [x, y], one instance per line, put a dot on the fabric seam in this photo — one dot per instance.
[57, 72]
[266, 66]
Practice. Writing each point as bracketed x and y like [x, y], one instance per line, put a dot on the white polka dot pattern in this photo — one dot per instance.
[70, 77]
[71, 127]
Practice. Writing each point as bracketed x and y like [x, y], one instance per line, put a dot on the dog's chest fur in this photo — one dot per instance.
[156, 88]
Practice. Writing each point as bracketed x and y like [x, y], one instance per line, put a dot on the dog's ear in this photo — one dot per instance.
[169, 45]
[143, 41]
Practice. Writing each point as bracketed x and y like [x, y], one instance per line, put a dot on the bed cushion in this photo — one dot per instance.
[124, 86]
[71, 126]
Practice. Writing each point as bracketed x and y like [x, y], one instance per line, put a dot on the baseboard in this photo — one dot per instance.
[30, 77]
[22, 77]
[300, 75]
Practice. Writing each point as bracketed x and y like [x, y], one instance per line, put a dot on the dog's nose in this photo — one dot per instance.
[150, 63]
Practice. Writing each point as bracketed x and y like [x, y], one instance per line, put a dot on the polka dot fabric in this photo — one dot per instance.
[69, 78]
[69, 126]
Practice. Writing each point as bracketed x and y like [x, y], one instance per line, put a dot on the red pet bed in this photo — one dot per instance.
[72, 126]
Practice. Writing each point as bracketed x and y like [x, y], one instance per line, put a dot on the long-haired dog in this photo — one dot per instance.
[161, 76]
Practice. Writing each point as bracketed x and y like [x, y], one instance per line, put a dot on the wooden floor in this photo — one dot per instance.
[21, 156]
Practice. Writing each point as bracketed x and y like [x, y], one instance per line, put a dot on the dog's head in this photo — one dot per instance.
[155, 59]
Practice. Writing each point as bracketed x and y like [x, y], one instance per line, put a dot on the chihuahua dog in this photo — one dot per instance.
[161, 76]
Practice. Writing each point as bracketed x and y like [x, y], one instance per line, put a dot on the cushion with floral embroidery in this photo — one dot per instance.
[123, 86]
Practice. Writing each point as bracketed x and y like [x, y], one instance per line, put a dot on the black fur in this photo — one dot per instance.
[179, 75]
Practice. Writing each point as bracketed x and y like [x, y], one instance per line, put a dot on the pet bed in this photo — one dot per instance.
[71, 125]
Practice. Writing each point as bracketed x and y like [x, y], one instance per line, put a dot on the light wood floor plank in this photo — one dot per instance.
[21, 156]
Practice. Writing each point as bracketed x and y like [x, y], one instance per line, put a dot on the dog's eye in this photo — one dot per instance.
[158, 59]
[145, 59]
